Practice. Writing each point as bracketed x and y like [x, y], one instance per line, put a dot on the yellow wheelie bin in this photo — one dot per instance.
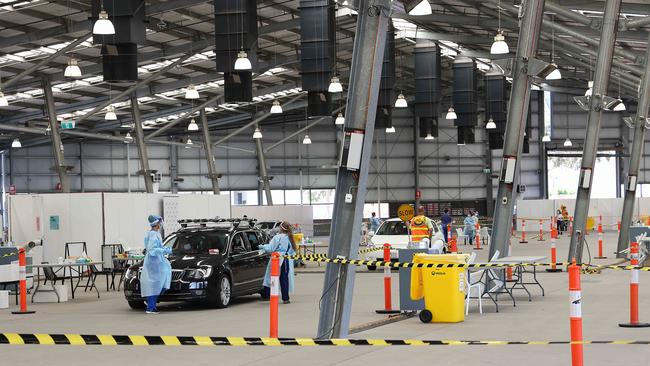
[443, 289]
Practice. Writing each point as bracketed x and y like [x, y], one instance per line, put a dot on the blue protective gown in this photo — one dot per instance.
[156, 273]
[281, 244]
[470, 226]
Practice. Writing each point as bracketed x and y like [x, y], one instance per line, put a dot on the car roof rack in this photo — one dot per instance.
[232, 223]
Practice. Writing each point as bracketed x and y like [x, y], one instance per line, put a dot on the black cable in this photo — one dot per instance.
[584, 240]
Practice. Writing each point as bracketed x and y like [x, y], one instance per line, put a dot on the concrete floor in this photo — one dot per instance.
[605, 304]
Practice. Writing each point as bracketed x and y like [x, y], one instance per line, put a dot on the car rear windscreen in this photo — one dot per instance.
[392, 228]
[198, 242]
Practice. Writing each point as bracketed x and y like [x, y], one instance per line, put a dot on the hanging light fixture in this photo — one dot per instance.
[306, 140]
[567, 142]
[193, 126]
[257, 134]
[401, 101]
[390, 129]
[546, 138]
[16, 144]
[620, 106]
[340, 120]
[499, 47]
[429, 136]
[243, 63]
[72, 70]
[110, 114]
[191, 92]
[103, 25]
[555, 74]
[417, 7]
[3, 100]
[276, 108]
[591, 88]
[451, 114]
[127, 138]
[189, 144]
[335, 85]
[490, 125]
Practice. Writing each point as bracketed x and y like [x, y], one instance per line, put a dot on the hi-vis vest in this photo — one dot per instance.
[419, 228]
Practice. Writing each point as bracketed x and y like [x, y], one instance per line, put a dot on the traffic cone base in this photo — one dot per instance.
[554, 270]
[23, 312]
[600, 257]
[634, 325]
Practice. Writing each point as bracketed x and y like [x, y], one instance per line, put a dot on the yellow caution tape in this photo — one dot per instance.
[140, 340]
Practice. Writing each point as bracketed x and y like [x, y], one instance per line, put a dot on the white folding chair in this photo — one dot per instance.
[461, 236]
[485, 235]
[474, 290]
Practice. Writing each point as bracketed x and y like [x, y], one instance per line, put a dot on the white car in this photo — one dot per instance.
[395, 233]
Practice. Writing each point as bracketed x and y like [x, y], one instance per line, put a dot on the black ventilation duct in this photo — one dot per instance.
[120, 50]
[496, 108]
[427, 86]
[317, 52]
[387, 85]
[235, 30]
[464, 98]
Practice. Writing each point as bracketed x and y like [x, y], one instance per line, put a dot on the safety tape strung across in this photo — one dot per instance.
[139, 340]
[369, 250]
[8, 254]
[324, 255]
[359, 262]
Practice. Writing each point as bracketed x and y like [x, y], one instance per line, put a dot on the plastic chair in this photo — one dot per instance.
[474, 290]
[484, 233]
[460, 234]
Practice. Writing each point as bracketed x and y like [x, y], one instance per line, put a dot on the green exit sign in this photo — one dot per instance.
[67, 125]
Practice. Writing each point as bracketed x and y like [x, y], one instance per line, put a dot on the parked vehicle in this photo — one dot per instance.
[212, 261]
[269, 228]
[394, 232]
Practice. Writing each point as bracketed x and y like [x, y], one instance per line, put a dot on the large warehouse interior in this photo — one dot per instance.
[410, 181]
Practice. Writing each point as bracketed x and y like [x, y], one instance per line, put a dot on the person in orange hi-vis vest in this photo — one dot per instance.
[421, 227]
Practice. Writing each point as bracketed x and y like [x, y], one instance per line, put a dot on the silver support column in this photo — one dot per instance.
[173, 169]
[516, 125]
[365, 75]
[142, 147]
[57, 145]
[541, 150]
[207, 146]
[263, 173]
[601, 83]
[489, 189]
[635, 158]
[416, 160]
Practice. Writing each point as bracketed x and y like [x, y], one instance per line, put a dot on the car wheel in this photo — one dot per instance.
[137, 304]
[220, 297]
[372, 268]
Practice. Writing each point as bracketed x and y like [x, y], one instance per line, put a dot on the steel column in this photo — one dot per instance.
[57, 145]
[207, 146]
[489, 189]
[635, 158]
[601, 83]
[516, 125]
[140, 143]
[261, 170]
[363, 92]
[173, 169]
[416, 160]
[541, 150]
[170, 124]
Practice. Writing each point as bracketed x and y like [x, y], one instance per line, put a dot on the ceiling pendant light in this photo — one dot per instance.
[340, 120]
[276, 108]
[103, 25]
[620, 106]
[257, 134]
[3, 100]
[306, 140]
[127, 138]
[546, 138]
[429, 137]
[189, 144]
[390, 129]
[567, 142]
[555, 74]
[72, 70]
[499, 47]
[193, 126]
[335, 85]
[243, 63]
[451, 114]
[490, 125]
[591, 88]
[191, 92]
[110, 114]
[401, 101]
[16, 144]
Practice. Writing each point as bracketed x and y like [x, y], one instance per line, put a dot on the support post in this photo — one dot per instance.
[261, 169]
[142, 147]
[601, 82]
[416, 160]
[515, 127]
[57, 145]
[365, 75]
[543, 176]
[635, 159]
[173, 168]
[489, 190]
[209, 157]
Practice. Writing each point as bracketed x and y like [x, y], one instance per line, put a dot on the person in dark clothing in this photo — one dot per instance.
[446, 220]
